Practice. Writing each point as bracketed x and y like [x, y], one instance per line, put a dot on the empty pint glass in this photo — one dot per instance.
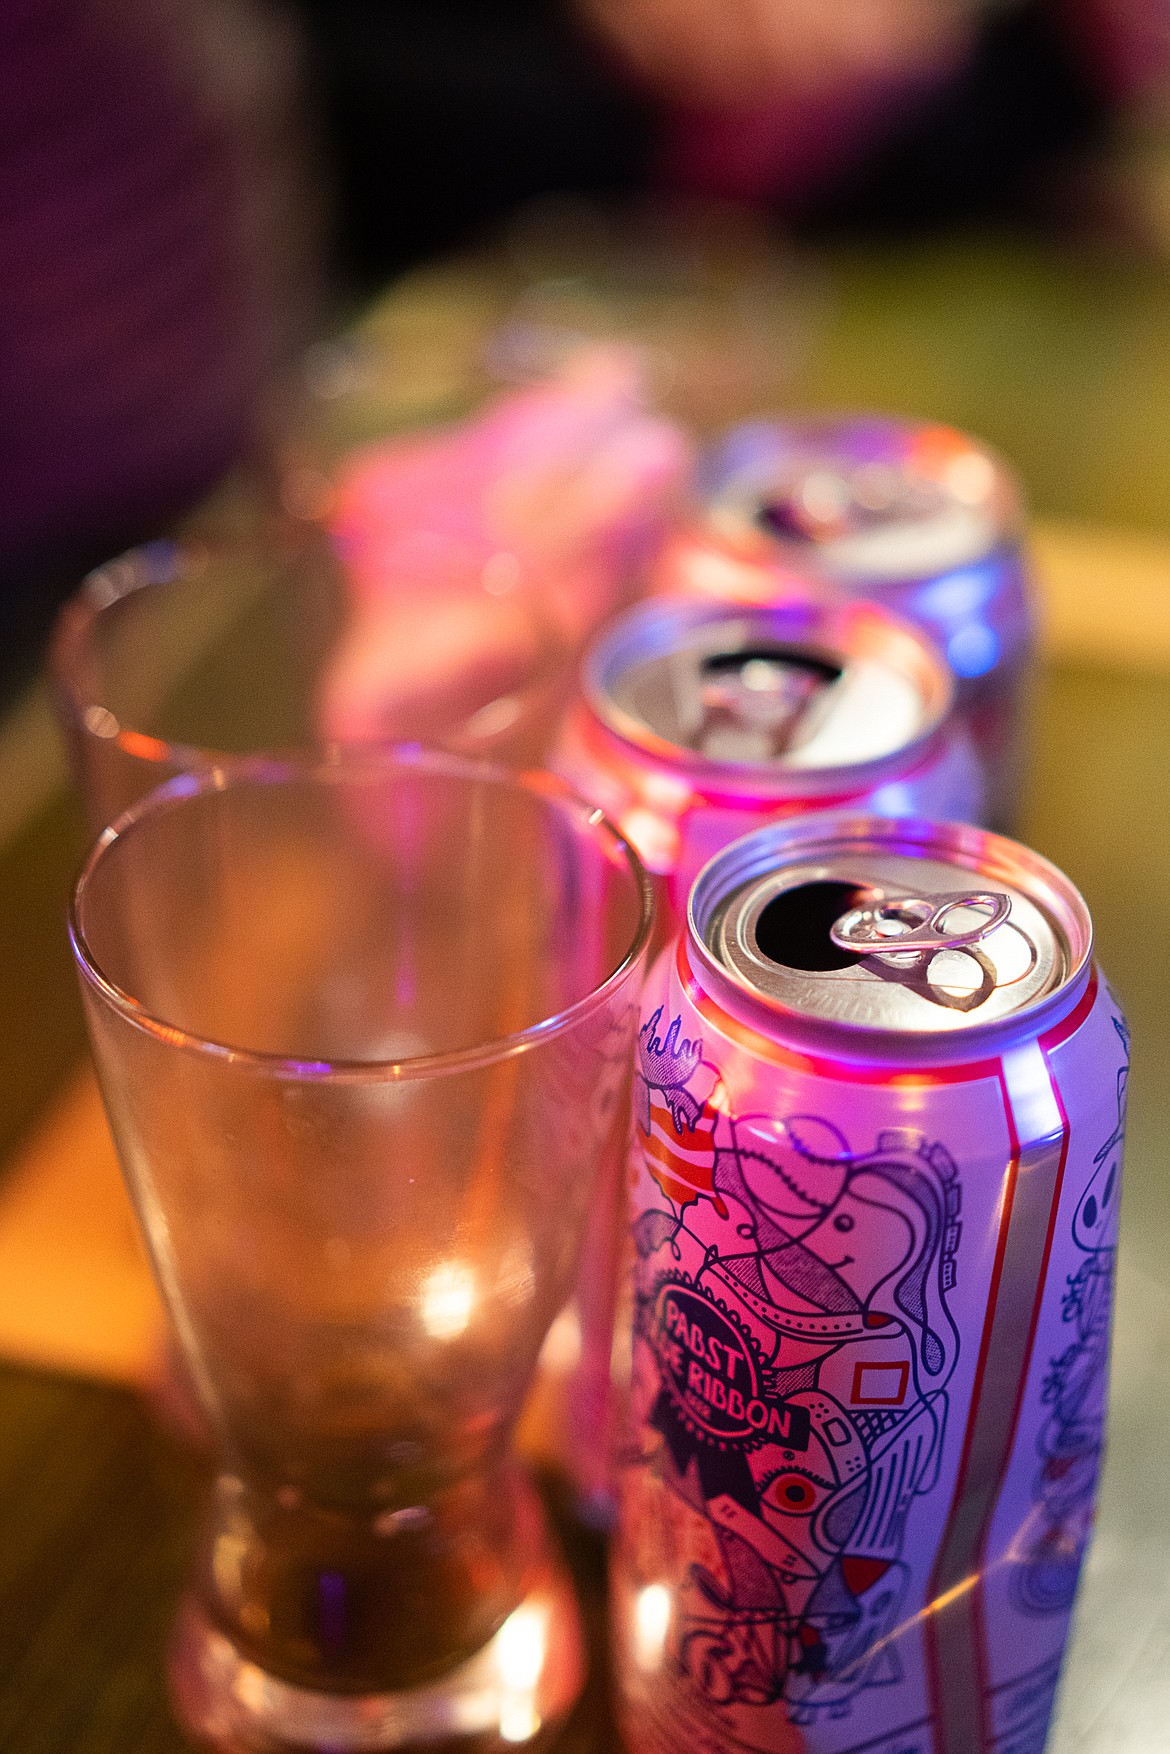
[362, 1032]
[180, 653]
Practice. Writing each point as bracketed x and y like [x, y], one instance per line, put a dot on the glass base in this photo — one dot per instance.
[520, 1686]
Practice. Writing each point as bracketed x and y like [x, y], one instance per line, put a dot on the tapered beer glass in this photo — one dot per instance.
[178, 654]
[363, 1032]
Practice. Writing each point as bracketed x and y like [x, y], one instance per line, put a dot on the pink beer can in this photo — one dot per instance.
[874, 1183]
[912, 514]
[697, 722]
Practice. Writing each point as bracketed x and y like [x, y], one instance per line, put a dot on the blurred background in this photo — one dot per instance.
[956, 208]
[240, 237]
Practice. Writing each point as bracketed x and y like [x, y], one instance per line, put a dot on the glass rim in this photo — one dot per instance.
[358, 763]
[140, 571]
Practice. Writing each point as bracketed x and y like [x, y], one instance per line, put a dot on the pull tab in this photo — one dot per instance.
[917, 923]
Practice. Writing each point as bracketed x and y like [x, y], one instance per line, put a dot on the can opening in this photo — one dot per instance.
[826, 502]
[780, 517]
[760, 702]
[793, 518]
[794, 928]
[764, 657]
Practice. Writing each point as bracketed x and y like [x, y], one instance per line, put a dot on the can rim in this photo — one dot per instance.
[990, 855]
[647, 631]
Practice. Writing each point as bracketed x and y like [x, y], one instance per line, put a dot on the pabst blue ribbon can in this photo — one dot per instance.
[874, 1182]
[699, 721]
[913, 514]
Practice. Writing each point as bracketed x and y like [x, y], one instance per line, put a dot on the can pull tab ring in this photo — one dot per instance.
[916, 923]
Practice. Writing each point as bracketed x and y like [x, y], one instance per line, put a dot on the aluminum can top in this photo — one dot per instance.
[862, 497]
[889, 937]
[786, 698]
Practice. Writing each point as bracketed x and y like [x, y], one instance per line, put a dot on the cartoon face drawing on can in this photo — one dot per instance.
[794, 1293]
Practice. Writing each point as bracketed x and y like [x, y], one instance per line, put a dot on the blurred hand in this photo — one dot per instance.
[740, 54]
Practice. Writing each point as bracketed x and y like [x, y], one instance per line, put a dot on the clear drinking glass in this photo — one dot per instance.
[179, 653]
[363, 1032]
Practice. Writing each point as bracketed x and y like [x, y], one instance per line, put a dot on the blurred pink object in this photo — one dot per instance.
[768, 99]
[476, 553]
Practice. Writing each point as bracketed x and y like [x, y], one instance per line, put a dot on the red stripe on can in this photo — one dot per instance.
[949, 1582]
[1061, 1033]
[1069, 1025]
[956, 1635]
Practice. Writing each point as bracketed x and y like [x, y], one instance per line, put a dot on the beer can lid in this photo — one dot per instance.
[864, 497]
[867, 927]
[799, 689]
